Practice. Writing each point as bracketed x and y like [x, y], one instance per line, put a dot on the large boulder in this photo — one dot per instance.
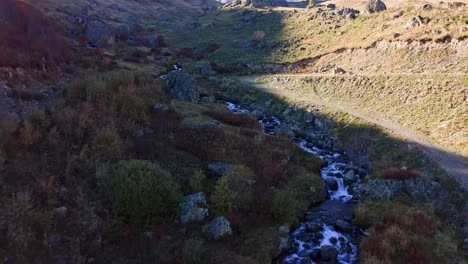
[382, 189]
[348, 12]
[193, 208]
[418, 189]
[218, 228]
[415, 21]
[374, 6]
[350, 177]
[182, 86]
[331, 183]
[96, 30]
[328, 253]
[343, 226]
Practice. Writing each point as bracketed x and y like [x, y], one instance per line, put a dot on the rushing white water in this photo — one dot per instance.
[318, 233]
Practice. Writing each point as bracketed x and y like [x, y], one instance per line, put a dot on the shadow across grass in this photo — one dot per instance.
[385, 156]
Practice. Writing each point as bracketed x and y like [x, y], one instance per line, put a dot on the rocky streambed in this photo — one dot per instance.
[326, 233]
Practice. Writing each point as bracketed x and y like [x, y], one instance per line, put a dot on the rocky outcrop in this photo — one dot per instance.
[182, 86]
[418, 189]
[415, 21]
[218, 228]
[96, 30]
[374, 6]
[193, 208]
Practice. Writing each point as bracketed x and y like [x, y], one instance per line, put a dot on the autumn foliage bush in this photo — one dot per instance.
[28, 38]
[401, 174]
[233, 119]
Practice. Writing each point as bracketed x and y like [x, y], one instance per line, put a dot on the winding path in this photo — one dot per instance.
[456, 166]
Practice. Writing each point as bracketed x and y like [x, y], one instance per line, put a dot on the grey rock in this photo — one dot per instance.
[218, 228]
[328, 253]
[348, 12]
[208, 99]
[418, 189]
[331, 6]
[343, 226]
[284, 243]
[314, 227]
[415, 21]
[338, 71]
[382, 189]
[374, 6]
[318, 123]
[284, 229]
[427, 7]
[349, 177]
[60, 212]
[95, 30]
[193, 208]
[207, 69]
[309, 117]
[219, 168]
[182, 86]
[331, 183]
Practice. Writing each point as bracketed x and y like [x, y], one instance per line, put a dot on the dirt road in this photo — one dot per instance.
[456, 166]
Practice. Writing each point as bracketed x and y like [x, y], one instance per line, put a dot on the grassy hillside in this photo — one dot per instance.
[432, 105]
[292, 35]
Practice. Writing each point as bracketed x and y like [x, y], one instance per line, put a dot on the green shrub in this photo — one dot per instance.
[242, 182]
[311, 3]
[223, 198]
[141, 192]
[196, 182]
[283, 208]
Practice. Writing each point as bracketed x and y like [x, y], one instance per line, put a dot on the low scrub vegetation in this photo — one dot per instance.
[103, 140]
[417, 236]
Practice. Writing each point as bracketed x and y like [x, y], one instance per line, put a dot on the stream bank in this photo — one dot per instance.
[326, 234]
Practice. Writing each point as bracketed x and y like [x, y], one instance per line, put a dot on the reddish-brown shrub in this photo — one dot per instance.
[83, 40]
[161, 41]
[401, 174]
[374, 246]
[415, 254]
[423, 223]
[211, 48]
[28, 36]
[185, 53]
